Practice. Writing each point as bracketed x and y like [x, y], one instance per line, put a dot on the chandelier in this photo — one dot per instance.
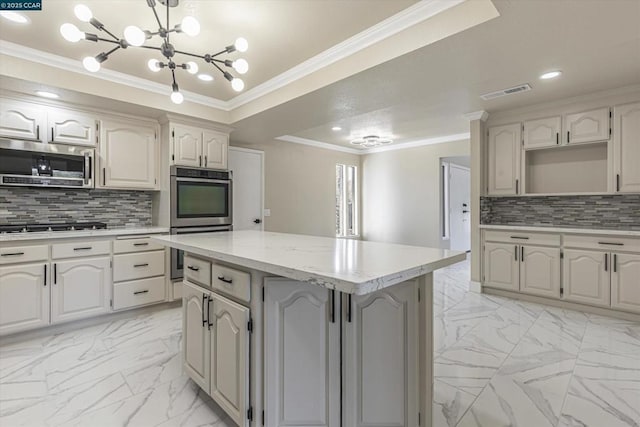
[134, 36]
[370, 141]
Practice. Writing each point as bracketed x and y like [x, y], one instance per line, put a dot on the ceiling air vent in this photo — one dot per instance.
[504, 92]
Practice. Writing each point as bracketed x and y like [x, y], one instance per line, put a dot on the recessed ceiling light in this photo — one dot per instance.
[46, 94]
[336, 128]
[205, 77]
[14, 17]
[550, 75]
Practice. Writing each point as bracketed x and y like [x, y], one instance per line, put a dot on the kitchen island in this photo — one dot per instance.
[283, 329]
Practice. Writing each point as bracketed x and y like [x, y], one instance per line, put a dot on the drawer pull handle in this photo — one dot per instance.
[519, 237]
[225, 280]
[146, 264]
[86, 248]
[611, 244]
[13, 254]
[141, 244]
[192, 268]
[141, 292]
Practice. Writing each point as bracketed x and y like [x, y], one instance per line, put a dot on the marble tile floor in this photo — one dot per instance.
[499, 362]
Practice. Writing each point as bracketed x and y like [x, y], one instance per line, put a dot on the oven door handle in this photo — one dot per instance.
[195, 230]
[206, 180]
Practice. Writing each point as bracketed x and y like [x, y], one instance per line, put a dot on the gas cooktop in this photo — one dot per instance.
[70, 226]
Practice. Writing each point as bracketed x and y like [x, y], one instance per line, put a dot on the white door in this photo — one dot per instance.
[67, 127]
[380, 364]
[22, 121]
[230, 357]
[587, 126]
[540, 271]
[127, 156]
[247, 167]
[501, 269]
[542, 132]
[587, 277]
[187, 146]
[196, 334]
[81, 288]
[626, 148]
[459, 208]
[302, 355]
[24, 297]
[625, 282]
[504, 160]
[214, 149]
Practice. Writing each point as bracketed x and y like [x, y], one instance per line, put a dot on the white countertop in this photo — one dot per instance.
[595, 232]
[47, 235]
[351, 266]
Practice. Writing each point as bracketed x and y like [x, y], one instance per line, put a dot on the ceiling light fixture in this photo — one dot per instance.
[370, 141]
[18, 18]
[551, 75]
[136, 37]
[46, 94]
[336, 128]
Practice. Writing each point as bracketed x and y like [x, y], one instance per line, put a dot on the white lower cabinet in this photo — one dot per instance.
[80, 288]
[195, 341]
[586, 277]
[625, 282]
[501, 266]
[540, 271]
[380, 363]
[24, 297]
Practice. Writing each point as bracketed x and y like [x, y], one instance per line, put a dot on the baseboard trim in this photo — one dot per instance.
[475, 287]
[564, 304]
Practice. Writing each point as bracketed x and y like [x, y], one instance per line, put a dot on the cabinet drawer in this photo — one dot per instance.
[231, 281]
[135, 244]
[23, 254]
[197, 270]
[138, 266]
[522, 238]
[614, 244]
[138, 292]
[80, 249]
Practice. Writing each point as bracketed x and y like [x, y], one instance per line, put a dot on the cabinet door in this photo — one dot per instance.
[625, 282]
[540, 271]
[504, 160]
[230, 357]
[127, 156]
[81, 288]
[588, 126]
[302, 355]
[22, 121]
[71, 128]
[195, 341]
[380, 358]
[626, 148]
[24, 297]
[187, 146]
[542, 132]
[215, 148]
[501, 269]
[586, 277]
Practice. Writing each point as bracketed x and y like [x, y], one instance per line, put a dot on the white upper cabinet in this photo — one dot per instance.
[24, 297]
[187, 146]
[504, 159]
[626, 148]
[588, 126]
[21, 120]
[68, 127]
[128, 156]
[215, 147]
[542, 133]
[625, 285]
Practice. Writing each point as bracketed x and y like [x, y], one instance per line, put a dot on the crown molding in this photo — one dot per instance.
[67, 64]
[318, 144]
[420, 11]
[477, 115]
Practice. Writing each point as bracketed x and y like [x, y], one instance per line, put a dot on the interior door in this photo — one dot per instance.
[195, 341]
[247, 167]
[459, 208]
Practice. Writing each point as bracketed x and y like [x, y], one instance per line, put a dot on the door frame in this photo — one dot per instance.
[445, 194]
[261, 153]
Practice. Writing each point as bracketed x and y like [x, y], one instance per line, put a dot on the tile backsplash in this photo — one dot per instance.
[45, 205]
[616, 212]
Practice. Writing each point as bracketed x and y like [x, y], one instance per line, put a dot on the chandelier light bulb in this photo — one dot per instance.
[71, 33]
[190, 26]
[154, 65]
[91, 64]
[193, 67]
[83, 13]
[241, 44]
[134, 35]
[241, 66]
[176, 97]
[237, 84]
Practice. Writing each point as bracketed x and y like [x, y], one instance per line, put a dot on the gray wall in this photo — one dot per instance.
[43, 205]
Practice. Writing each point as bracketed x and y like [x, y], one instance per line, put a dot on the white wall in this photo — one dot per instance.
[401, 194]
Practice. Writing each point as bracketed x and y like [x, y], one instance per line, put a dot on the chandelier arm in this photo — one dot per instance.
[168, 20]
[189, 54]
[108, 40]
[155, 13]
[173, 74]
[219, 53]
[112, 50]
[110, 33]
[151, 47]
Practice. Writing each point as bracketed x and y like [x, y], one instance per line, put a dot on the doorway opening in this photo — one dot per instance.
[455, 202]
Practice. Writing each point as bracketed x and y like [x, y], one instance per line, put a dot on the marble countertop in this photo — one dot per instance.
[568, 230]
[351, 266]
[47, 235]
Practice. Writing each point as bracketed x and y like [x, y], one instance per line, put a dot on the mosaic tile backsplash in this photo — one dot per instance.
[615, 212]
[45, 205]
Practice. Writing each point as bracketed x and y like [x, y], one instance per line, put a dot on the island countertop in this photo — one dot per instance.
[346, 265]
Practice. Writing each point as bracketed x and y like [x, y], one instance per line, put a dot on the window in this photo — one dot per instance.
[346, 201]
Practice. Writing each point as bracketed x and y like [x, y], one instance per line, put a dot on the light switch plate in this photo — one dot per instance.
[267, 212]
